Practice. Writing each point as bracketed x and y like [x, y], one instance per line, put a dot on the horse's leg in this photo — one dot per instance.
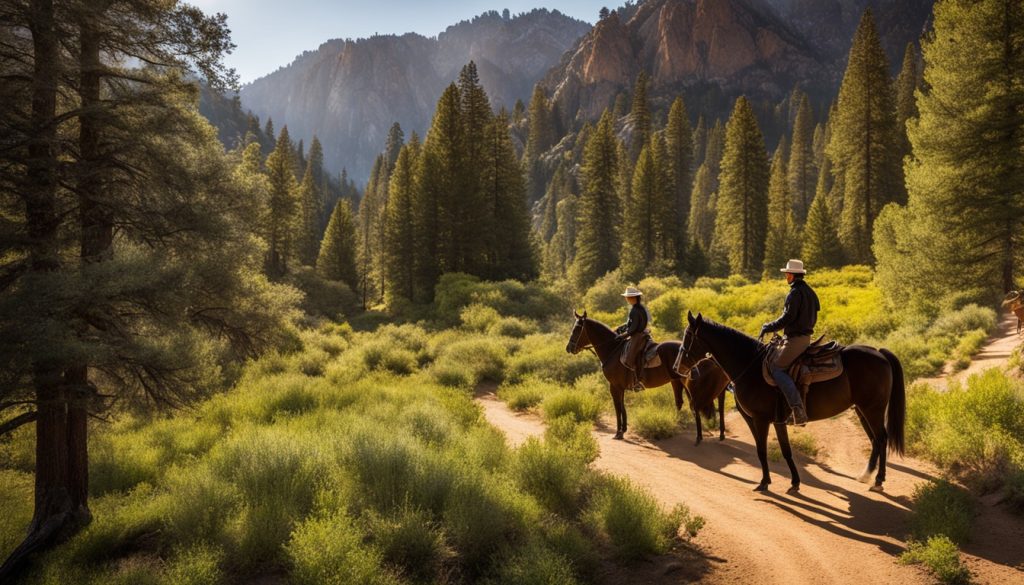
[721, 416]
[759, 428]
[700, 426]
[876, 420]
[873, 459]
[782, 433]
[618, 399]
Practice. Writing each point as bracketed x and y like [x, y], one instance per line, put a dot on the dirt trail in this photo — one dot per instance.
[833, 531]
[993, 354]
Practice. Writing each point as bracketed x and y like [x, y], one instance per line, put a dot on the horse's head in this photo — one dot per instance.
[1013, 299]
[577, 340]
[692, 349]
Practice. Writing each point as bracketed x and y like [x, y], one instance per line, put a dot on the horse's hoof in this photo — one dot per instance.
[618, 436]
[877, 488]
[696, 443]
[865, 477]
[721, 437]
[793, 488]
[761, 487]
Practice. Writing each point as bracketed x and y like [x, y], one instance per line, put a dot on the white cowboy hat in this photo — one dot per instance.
[794, 266]
[632, 291]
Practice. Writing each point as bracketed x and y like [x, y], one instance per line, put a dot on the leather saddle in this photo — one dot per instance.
[820, 362]
[651, 357]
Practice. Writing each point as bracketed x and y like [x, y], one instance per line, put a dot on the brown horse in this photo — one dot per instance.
[593, 335]
[705, 382]
[872, 383]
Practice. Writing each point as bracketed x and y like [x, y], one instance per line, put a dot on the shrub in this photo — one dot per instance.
[330, 551]
[479, 318]
[579, 405]
[536, 565]
[322, 297]
[469, 361]
[940, 555]
[632, 521]
[411, 541]
[551, 473]
[16, 506]
[574, 436]
[544, 357]
[120, 521]
[513, 327]
[942, 509]
[200, 504]
[526, 394]
[195, 565]
[653, 422]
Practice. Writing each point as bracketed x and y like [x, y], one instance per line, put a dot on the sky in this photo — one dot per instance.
[270, 33]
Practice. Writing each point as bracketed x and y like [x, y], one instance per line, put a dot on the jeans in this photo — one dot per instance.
[788, 387]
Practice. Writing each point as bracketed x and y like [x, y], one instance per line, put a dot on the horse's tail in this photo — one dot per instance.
[897, 412]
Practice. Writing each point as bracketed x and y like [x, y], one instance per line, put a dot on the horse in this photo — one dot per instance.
[705, 382]
[1015, 301]
[871, 382]
[603, 341]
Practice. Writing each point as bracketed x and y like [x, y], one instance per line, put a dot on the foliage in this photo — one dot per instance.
[941, 555]
[942, 509]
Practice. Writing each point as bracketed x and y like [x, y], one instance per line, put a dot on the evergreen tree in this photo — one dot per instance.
[714, 151]
[399, 239]
[300, 159]
[558, 190]
[599, 215]
[861, 146]
[307, 238]
[337, 255]
[280, 169]
[507, 244]
[640, 117]
[802, 170]
[624, 178]
[642, 245]
[679, 150]
[783, 239]
[268, 131]
[821, 247]
[906, 102]
[700, 142]
[702, 211]
[315, 166]
[961, 232]
[742, 214]
[367, 231]
[561, 250]
[395, 141]
[539, 138]
[474, 221]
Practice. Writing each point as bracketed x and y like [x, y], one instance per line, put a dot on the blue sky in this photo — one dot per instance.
[271, 33]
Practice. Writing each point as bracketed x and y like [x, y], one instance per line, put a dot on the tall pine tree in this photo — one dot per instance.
[284, 208]
[863, 136]
[507, 245]
[702, 210]
[640, 116]
[679, 151]
[400, 255]
[336, 259]
[783, 239]
[742, 214]
[598, 211]
[643, 242]
[821, 247]
[802, 170]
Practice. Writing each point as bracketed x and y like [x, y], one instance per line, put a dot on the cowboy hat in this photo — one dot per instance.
[794, 266]
[632, 291]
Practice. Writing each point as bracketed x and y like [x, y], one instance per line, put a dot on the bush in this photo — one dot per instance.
[653, 422]
[551, 473]
[536, 565]
[467, 362]
[579, 405]
[632, 521]
[411, 541]
[200, 504]
[196, 565]
[942, 509]
[329, 551]
[544, 357]
[940, 555]
[510, 298]
[322, 297]
[526, 394]
[16, 505]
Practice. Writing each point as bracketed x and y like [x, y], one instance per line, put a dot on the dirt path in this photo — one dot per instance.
[994, 354]
[833, 531]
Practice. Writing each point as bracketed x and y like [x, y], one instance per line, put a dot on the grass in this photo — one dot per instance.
[580, 405]
[942, 558]
[940, 522]
[800, 441]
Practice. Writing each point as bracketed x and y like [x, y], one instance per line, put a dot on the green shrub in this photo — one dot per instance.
[200, 503]
[119, 462]
[322, 297]
[544, 357]
[196, 565]
[120, 521]
[941, 555]
[551, 473]
[510, 298]
[391, 471]
[513, 327]
[411, 541]
[942, 509]
[654, 422]
[536, 565]
[16, 490]
[526, 394]
[469, 361]
[574, 436]
[479, 318]
[330, 551]
[581, 406]
[632, 521]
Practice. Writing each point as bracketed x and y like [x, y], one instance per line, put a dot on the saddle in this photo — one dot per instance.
[820, 362]
[651, 357]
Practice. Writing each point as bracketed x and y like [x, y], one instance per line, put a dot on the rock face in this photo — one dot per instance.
[714, 50]
[350, 92]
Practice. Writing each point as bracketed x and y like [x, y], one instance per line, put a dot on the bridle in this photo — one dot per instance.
[693, 335]
[574, 339]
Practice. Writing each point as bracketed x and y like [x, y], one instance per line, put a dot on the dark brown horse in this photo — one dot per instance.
[705, 382]
[872, 383]
[590, 334]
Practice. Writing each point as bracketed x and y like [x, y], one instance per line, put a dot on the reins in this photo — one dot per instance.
[590, 343]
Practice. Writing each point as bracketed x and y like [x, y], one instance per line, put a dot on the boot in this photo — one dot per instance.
[798, 417]
[637, 372]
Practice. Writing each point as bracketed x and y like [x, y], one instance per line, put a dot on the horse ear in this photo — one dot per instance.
[584, 313]
[575, 314]
[689, 317]
[700, 317]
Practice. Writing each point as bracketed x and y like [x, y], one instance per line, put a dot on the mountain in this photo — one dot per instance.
[711, 51]
[350, 92]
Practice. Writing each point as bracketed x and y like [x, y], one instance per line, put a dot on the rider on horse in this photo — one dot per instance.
[797, 322]
[637, 330]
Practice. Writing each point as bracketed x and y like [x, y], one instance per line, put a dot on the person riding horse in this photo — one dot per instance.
[636, 329]
[797, 322]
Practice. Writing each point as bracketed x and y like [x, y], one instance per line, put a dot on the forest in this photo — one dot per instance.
[223, 363]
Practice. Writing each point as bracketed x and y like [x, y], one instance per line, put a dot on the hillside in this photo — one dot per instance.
[349, 92]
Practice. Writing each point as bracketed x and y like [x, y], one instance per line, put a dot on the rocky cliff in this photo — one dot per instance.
[350, 92]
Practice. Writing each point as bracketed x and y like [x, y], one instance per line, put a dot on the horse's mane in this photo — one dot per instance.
[595, 321]
[734, 336]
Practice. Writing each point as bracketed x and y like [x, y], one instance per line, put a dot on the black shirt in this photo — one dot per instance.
[801, 311]
[637, 322]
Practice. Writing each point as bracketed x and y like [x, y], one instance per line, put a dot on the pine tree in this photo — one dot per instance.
[961, 232]
[802, 170]
[268, 131]
[399, 237]
[783, 239]
[702, 211]
[393, 145]
[700, 142]
[642, 245]
[561, 250]
[821, 247]
[640, 117]
[679, 149]
[280, 169]
[307, 237]
[507, 244]
[714, 151]
[540, 137]
[337, 255]
[906, 103]
[558, 190]
[368, 253]
[315, 166]
[861, 146]
[599, 215]
[474, 219]
[743, 195]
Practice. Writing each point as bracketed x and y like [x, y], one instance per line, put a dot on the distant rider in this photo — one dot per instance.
[637, 330]
[797, 322]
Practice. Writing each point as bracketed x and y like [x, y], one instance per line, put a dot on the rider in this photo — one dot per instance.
[797, 322]
[637, 330]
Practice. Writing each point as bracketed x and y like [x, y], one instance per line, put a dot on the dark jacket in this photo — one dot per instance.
[637, 322]
[801, 312]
